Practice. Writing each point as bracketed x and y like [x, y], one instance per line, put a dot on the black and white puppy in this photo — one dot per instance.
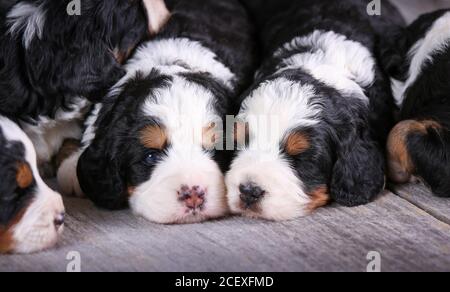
[53, 65]
[312, 126]
[419, 146]
[153, 144]
[31, 214]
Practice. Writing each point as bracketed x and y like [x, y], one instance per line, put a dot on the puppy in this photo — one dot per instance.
[155, 143]
[31, 214]
[53, 65]
[419, 146]
[310, 129]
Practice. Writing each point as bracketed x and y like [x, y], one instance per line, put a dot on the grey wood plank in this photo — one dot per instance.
[333, 239]
[421, 196]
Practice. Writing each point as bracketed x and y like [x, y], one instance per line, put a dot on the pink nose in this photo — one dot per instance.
[193, 197]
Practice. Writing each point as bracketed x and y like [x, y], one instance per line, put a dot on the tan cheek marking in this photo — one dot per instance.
[209, 136]
[401, 167]
[319, 198]
[297, 143]
[157, 14]
[154, 137]
[7, 242]
[24, 176]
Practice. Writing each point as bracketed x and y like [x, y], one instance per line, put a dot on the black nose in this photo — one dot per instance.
[59, 220]
[251, 193]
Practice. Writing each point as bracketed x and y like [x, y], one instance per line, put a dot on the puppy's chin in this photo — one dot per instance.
[36, 230]
[281, 192]
[166, 197]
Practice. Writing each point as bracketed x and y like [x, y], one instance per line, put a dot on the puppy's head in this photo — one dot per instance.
[281, 172]
[418, 149]
[31, 214]
[154, 150]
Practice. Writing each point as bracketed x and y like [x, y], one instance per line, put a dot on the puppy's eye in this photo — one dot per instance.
[152, 157]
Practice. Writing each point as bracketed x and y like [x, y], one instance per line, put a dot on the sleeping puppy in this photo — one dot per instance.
[419, 146]
[53, 65]
[311, 128]
[155, 143]
[31, 214]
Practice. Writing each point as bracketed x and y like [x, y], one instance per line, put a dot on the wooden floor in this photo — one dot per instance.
[408, 227]
[410, 230]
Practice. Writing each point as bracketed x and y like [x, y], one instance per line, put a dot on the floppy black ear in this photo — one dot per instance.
[100, 178]
[358, 174]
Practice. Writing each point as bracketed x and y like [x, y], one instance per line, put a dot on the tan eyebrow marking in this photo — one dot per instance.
[241, 133]
[209, 136]
[297, 143]
[154, 137]
[24, 176]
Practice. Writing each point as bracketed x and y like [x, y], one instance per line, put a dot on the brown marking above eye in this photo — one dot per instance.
[210, 136]
[154, 137]
[241, 133]
[401, 166]
[24, 176]
[297, 143]
[319, 198]
[157, 15]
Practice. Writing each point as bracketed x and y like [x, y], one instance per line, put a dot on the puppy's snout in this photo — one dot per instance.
[251, 193]
[193, 197]
[59, 220]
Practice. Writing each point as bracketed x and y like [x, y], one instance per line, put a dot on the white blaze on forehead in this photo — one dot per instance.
[36, 230]
[183, 109]
[180, 55]
[333, 59]
[287, 106]
[436, 39]
[27, 18]
[276, 108]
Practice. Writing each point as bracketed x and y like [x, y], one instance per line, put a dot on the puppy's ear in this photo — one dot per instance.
[358, 174]
[100, 178]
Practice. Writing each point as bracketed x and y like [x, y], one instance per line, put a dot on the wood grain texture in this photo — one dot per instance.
[422, 197]
[333, 239]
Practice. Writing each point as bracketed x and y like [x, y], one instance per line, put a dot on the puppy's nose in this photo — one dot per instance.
[59, 220]
[250, 193]
[193, 197]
